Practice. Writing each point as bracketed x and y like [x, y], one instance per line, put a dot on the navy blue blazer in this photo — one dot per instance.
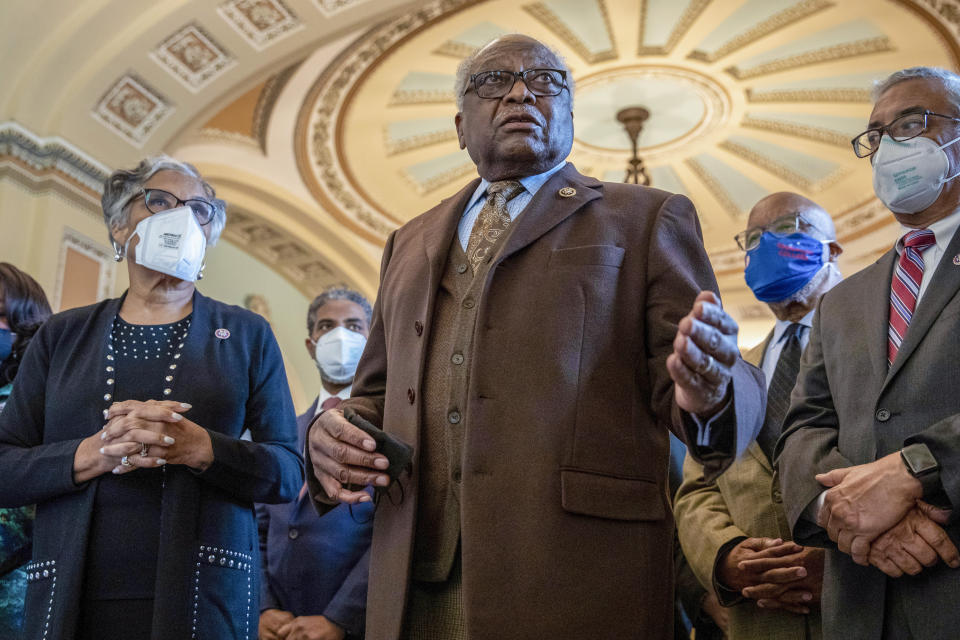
[207, 577]
[316, 565]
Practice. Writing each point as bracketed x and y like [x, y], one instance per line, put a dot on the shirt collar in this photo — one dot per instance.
[531, 184]
[781, 326]
[943, 231]
[343, 394]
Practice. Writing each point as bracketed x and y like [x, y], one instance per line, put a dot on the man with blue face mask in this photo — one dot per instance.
[314, 578]
[733, 529]
[869, 460]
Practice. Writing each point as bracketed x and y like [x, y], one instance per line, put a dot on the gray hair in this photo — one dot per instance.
[949, 80]
[123, 185]
[466, 66]
[337, 292]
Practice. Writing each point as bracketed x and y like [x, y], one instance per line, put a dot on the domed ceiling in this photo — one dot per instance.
[746, 98]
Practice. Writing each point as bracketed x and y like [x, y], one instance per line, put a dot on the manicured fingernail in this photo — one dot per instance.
[186, 405]
[364, 499]
[369, 445]
[116, 470]
[381, 463]
[801, 572]
[101, 450]
[161, 462]
[176, 416]
[103, 435]
[382, 481]
[168, 440]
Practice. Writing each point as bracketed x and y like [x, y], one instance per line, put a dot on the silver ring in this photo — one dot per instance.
[143, 449]
[125, 461]
[710, 369]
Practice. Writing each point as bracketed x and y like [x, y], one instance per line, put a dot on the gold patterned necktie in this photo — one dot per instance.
[492, 221]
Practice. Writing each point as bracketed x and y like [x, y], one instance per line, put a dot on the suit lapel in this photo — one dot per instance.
[436, 229]
[549, 208]
[942, 288]
[873, 298]
[755, 357]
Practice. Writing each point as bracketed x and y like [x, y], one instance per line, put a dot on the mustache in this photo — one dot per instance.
[518, 115]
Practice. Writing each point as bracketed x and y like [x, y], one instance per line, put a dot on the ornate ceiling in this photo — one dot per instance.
[327, 123]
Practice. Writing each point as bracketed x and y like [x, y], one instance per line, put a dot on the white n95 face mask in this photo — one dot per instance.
[908, 176]
[171, 242]
[337, 354]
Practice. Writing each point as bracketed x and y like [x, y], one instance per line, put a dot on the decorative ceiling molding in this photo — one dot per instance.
[465, 43]
[735, 191]
[332, 7]
[800, 129]
[280, 251]
[318, 131]
[406, 135]
[260, 22]
[437, 172]
[571, 32]
[419, 87]
[132, 109]
[43, 157]
[193, 57]
[265, 103]
[786, 163]
[685, 17]
[853, 39]
[754, 32]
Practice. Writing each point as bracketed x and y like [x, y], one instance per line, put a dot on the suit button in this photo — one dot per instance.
[411, 395]
[294, 534]
[461, 268]
[418, 327]
[777, 497]
[454, 417]
[883, 415]
[457, 358]
[468, 303]
[456, 475]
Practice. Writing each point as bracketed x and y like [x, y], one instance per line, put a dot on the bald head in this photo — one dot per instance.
[786, 203]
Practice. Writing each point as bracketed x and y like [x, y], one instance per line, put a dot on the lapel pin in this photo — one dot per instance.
[956, 259]
[222, 333]
[567, 192]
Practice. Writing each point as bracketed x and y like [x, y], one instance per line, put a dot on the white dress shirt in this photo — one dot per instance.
[943, 231]
[531, 184]
[343, 394]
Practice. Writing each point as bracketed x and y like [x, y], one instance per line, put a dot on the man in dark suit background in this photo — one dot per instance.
[872, 437]
[534, 338]
[314, 568]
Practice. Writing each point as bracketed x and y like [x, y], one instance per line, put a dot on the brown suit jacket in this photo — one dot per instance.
[566, 529]
[849, 408]
[744, 501]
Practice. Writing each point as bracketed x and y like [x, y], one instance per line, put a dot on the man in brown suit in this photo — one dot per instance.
[733, 529]
[526, 339]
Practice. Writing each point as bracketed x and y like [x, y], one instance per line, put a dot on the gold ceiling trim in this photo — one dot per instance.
[394, 146]
[715, 188]
[944, 17]
[827, 54]
[773, 23]
[267, 100]
[782, 171]
[810, 95]
[687, 19]
[799, 130]
[552, 21]
[320, 124]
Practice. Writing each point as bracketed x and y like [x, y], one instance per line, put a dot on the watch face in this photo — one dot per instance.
[918, 459]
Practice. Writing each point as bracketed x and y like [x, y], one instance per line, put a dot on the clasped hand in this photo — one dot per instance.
[342, 455]
[151, 434]
[704, 353]
[774, 573]
[874, 513]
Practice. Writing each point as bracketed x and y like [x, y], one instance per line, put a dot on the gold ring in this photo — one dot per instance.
[143, 449]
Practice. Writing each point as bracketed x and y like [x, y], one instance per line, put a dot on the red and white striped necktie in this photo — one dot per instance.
[905, 287]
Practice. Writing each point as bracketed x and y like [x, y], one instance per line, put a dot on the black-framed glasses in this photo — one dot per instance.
[540, 82]
[901, 129]
[158, 201]
[782, 226]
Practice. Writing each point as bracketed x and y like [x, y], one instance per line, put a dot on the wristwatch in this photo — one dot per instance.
[923, 466]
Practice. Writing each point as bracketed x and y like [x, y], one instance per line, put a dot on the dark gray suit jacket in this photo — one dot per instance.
[848, 409]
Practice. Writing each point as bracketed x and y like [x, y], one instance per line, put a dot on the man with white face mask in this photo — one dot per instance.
[869, 460]
[314, 579]
[733, 529]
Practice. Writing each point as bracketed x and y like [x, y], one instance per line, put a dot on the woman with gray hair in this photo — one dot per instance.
[124, 428]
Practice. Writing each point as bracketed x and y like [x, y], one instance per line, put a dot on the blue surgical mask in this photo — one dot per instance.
[779, 266]
[6, 344]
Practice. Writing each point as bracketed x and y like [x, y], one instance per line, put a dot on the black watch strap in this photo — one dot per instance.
[923, 466]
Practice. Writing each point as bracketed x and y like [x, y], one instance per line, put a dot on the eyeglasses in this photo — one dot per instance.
[903, 128]
[158, 201]
[540, 82]
[782, 226]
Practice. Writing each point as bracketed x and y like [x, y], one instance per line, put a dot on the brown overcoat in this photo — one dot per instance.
[566, 529]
